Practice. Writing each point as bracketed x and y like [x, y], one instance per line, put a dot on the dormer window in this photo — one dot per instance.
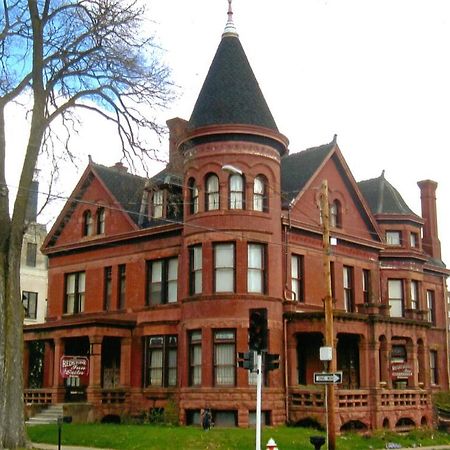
[393, 238]
[158, 204]
[101, 221]
[336, 214]
[259, 194]
[88, 224]
[236, 192]
[212, 193]
[414, 240]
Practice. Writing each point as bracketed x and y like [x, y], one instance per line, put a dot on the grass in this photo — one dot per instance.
[150, 437]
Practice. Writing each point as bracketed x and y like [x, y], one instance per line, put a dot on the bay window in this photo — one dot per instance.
[224, 267]
[224, 358]
[256, 268]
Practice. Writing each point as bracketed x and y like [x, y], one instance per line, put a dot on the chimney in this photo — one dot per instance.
[177, 129]
[31, 211]
[430, 240]
[120, 167]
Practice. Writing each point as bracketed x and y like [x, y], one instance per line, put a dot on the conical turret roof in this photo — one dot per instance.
[230, 92]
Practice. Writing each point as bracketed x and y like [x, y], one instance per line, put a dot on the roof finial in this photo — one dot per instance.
[230, 29]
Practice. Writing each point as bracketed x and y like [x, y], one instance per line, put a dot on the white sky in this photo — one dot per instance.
[375, 72]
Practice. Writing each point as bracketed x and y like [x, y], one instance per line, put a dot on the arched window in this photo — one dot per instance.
[193, 196]
[101, 221]
[236, 192]
[212, 193]
[336, 214]
[259, 194]
[88, 224]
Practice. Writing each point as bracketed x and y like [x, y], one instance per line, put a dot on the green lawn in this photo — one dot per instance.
[150, 437]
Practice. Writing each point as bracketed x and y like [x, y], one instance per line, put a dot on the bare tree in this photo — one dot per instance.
[66, 55]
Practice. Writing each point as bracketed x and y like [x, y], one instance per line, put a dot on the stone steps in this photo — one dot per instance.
[47, 416]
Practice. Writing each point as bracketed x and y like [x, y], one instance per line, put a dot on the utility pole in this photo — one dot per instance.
[328, 306]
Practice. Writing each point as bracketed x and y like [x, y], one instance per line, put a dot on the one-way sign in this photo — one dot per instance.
[327, 378]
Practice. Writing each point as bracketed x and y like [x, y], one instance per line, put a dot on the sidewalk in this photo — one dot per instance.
[63, 447]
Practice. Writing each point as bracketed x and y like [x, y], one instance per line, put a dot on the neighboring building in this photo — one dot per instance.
[33, 265]
[151, 281]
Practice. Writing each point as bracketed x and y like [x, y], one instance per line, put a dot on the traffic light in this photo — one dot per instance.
[257, 330]
[271, 361]
[247, 360]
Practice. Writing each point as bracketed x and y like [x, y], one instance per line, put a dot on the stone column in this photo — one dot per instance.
[125, 362]
[95, 369]
[58, 381]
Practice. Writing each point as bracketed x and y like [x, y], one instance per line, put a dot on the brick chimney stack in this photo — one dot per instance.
[430, 241]
[177, 129]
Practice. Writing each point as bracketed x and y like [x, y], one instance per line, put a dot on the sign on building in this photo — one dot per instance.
[74, 366]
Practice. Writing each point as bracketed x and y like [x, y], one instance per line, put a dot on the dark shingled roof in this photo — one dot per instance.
[230, 93]
[298, 168]
[126, 188]
[382, 197]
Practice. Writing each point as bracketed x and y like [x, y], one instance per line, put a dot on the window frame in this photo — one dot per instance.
[195, 358]
[348, 288]
[236, 193]
[166, 283]
[158, 204]
[434, 372]
[366, 285]
[297, 279]
[121, 285]
[335, 214]
[219, 379]
[107, 288]
[88, 223]
[414, 294]
[193, 196]
[30, 297]
[224, 269]
[195, 269]
[31, 254]
[212, 192]
[396, 301]
[431, 306]
[393, 238]
[256, 274]
[101, 216]
[78, 294]
[166, 345]
[260, 202]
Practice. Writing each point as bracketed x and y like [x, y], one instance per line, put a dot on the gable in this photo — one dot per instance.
[91, 195]
[356, 220]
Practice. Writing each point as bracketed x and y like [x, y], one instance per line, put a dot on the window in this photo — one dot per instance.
[29, 300]
[393, 238]
[158, 203]
[196, 265]
[297, 277]
[195, 358]
[414, 294]
[431, 307]
[434, 380]
[122, 278]
[101, 221]
[75, 286]
[107, 288]
[193, 194]
[256, 268]
[212, 193]
[31, 254]
[224, 267]
[162, 281]
[236, 192]
[259, 194]
[414, 240]
[161, 361]
[224, 358]
[395, 294]
[349, 303]
[366, 285]
[335, 214]
[88, 224]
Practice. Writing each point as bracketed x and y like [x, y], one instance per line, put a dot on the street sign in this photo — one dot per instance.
[327, 378]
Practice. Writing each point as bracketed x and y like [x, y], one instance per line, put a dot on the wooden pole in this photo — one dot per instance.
[328, 307]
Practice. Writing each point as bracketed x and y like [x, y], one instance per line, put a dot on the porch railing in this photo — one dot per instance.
[113, 396]
[37, 396]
